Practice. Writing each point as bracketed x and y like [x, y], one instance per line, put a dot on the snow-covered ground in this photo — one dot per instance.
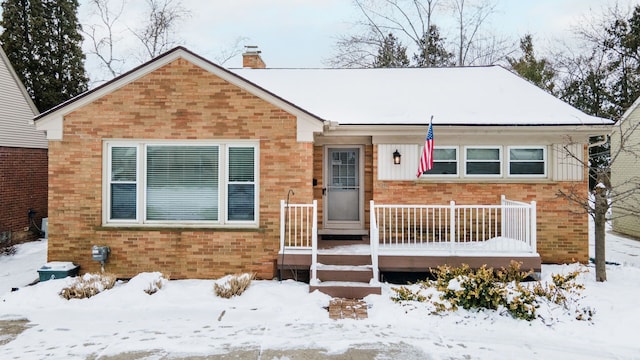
[282, 320]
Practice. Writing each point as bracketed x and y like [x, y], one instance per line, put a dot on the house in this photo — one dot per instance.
[186, 167]
[23, 161]
[625, 174]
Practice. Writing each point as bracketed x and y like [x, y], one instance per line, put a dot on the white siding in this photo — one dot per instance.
[16, 111]
[568, 164]
[564, 165]
[408, 167]
[625, 173]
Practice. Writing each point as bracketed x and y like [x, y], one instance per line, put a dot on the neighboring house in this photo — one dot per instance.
[23, 161]
[625, 173]
[198, 171]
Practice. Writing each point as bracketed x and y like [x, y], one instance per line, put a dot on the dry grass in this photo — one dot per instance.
[156, 284]
[235, 285]
[88, 285]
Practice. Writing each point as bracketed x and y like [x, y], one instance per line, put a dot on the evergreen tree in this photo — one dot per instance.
[391, 54]
[538, 72]
[432, 51]
[43, 43]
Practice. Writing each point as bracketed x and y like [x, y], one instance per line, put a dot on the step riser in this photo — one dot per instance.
[344, 259]
[345, 275]
[347, 292]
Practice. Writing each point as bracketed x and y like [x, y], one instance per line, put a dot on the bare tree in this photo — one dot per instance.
[102, 37]
[621, 194]
[410, 18]
[412, 21]
[470, 17]
[230, 51]
[158, 33]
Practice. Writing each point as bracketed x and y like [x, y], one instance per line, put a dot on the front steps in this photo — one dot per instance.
[345, 275]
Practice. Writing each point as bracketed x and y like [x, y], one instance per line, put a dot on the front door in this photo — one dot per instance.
[343, 193]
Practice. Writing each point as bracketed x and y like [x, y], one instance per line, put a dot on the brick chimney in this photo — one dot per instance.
[251, 58]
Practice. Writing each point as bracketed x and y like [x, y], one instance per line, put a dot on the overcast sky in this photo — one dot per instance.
[302, 33]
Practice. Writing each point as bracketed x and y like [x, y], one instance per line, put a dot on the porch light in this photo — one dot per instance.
[396, 157]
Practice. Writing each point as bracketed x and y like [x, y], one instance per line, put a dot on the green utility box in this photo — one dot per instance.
[57, 270]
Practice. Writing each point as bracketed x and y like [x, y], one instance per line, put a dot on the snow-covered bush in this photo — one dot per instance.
[233, 285]
[88, 285]
[156, 283]
[502, 290]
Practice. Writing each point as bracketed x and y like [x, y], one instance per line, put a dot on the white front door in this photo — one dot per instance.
[343, 192]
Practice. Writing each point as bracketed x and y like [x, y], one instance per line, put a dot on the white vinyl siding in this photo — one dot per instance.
[497, 162]
[181, 184]
[569, 164]
[16, 111]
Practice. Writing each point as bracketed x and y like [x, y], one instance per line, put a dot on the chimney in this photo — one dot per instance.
[251, 58]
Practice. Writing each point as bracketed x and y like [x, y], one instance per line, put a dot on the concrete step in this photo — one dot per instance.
[349, 273]
[345, 289]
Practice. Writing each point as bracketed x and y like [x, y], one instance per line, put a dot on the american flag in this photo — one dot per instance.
[426, 160]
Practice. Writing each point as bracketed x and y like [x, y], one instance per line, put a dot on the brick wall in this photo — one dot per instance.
[562, 227]
[180, 102]
[23, 186]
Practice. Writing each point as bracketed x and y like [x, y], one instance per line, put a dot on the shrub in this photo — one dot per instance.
[88, 285]
[8, 250]
[500, 290]
[156, 284]
[235, 285]
[403, 293]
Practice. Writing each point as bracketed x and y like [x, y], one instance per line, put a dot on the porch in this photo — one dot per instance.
[406, 238]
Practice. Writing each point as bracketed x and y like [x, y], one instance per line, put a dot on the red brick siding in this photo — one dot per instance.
[179, 102]
[23, 186]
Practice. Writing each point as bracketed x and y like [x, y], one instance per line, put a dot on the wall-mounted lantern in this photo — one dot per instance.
[396, 157]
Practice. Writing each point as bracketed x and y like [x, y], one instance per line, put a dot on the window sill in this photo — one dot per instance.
[125, 227]
[486, 180]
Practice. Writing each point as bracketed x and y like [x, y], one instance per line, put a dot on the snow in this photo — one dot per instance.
[489, 95]
[184, 318]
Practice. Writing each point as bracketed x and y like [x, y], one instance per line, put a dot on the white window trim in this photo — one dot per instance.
[141, 170]
[500, 160]
[544, 160]
[457, 174]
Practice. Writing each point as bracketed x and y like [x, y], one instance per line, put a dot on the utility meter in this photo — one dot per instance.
[100, 253]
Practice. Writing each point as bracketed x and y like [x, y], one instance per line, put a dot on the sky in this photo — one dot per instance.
[303, 33]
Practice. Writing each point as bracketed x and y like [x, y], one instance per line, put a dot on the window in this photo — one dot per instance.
[526, 161]
[185, 183]
[483, 161]
[445, 161]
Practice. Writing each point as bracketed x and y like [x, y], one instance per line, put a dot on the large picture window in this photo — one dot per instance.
[185, 183]
[527, 161]
[483, 161]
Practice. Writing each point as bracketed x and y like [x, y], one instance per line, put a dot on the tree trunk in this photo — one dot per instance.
[600, 210]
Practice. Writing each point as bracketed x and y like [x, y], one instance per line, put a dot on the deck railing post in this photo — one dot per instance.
[503, 215]
[282, 224]
[452, 225]
[314, 244]
[374, 240]
[534, 227]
